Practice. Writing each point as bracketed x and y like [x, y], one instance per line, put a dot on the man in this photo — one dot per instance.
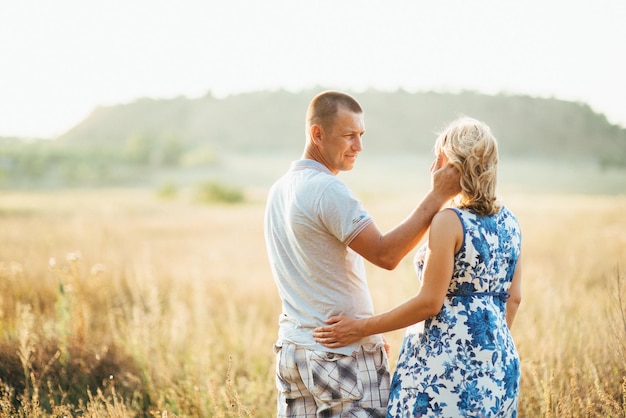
[317, 234]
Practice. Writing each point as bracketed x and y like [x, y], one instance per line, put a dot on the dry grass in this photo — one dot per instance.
[114, 303]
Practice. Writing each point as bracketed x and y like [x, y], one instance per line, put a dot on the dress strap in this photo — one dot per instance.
[503, 295]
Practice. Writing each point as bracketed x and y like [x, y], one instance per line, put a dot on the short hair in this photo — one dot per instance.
[473, 150]
[323, 108]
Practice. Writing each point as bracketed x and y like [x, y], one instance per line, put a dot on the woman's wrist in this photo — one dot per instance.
[366, 326]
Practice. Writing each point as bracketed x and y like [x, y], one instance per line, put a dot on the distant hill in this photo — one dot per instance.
[263, 122]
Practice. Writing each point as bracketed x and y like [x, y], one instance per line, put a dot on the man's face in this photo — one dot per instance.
[343, 141]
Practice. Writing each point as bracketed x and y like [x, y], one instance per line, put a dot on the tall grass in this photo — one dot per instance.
[117, 303]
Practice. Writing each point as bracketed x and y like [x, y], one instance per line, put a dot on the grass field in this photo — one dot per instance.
[118, 303]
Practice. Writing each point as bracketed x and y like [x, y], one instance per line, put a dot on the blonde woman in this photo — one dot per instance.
[458, 357]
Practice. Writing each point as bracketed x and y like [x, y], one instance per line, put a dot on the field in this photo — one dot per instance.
[120, 303]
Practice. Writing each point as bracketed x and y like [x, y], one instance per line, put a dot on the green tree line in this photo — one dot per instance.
[120, 144]
[51, 163]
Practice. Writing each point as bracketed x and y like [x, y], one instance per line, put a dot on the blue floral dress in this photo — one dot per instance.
[463, 362]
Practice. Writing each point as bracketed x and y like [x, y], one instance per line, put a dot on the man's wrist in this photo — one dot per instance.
[437, 199]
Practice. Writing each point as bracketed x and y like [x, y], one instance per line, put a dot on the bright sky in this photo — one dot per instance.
[62, 58]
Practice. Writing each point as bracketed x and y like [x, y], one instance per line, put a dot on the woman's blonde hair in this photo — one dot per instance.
[473, 150]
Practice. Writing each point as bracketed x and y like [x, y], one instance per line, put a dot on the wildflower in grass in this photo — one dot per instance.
[97, 269]
[52, 262]
[73, 256]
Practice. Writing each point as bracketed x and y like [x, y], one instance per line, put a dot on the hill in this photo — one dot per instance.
[263, 122]
[235, 140]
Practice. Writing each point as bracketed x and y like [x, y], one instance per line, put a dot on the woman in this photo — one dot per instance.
[459, 358]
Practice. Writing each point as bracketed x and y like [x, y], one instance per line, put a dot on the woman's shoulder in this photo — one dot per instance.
[448, 213]
[454, 212]
[506, 212]
[508, 218]
[447, 217]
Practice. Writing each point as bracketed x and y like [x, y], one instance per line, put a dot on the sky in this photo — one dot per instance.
[61, 59]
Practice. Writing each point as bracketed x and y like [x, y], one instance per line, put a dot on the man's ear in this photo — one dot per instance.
[316, 134]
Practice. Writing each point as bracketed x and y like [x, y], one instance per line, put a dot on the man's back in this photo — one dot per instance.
[311, 217]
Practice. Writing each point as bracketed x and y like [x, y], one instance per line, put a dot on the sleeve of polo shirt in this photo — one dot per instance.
[342, 213]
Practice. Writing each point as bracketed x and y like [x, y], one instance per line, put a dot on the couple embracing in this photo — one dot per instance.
[458, 357]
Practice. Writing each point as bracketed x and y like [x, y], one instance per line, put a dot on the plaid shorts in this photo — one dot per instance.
[319, 384]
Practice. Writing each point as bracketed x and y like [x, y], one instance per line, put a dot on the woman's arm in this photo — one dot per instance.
[513, 302]
[445, 237]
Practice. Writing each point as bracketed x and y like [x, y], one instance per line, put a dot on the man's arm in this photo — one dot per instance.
[387, 250]
[446, 236]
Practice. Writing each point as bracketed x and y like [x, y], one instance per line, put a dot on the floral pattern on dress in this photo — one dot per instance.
[463, 361]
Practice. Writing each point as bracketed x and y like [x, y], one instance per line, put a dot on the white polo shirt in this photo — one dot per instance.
[310, 219]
